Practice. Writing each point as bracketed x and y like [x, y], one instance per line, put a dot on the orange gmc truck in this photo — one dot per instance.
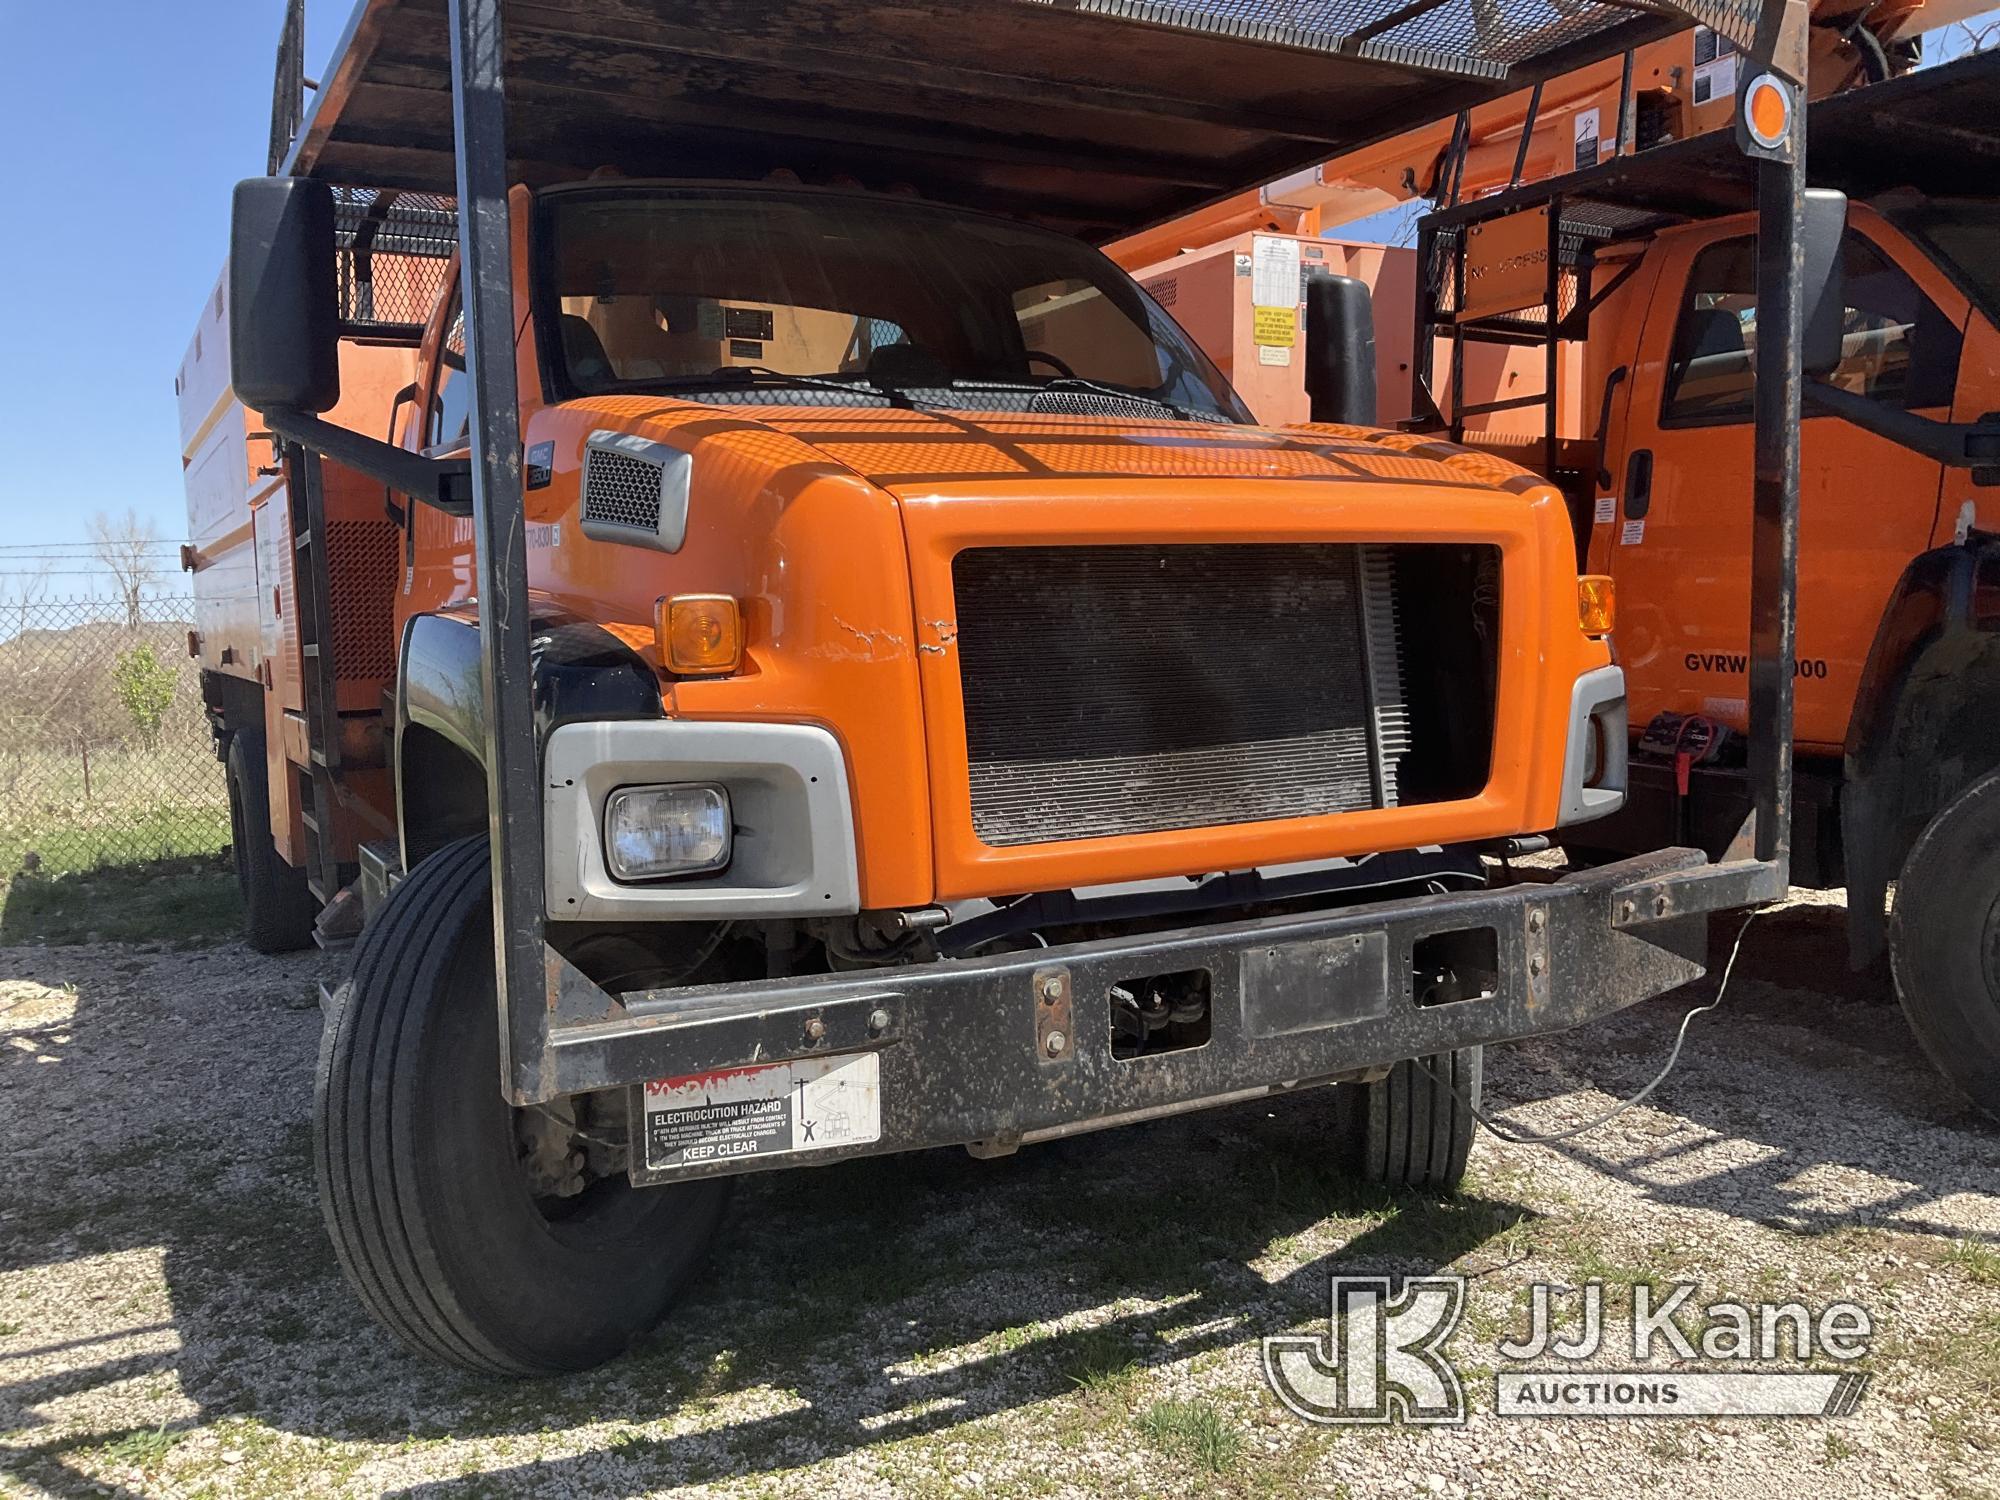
[942, 717]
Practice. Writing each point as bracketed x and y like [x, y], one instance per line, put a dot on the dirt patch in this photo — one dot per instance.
[1082, 1319]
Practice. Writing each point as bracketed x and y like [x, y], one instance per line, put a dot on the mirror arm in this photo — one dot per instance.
[1957, 445]
[445, 483]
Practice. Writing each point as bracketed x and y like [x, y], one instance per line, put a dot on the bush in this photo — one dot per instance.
[145, 688]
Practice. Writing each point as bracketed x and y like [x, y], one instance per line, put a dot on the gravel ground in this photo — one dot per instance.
[1080, 1319]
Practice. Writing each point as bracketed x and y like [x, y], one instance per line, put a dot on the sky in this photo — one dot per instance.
[123, 126]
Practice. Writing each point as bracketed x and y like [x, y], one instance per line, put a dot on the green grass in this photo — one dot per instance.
[1101, 1363]
[68, 843]
[1195, 1430]
[186, 900]
[142, 1448]
[1981, 1263]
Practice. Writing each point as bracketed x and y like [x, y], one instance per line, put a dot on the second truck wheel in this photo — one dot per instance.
[1944, 941]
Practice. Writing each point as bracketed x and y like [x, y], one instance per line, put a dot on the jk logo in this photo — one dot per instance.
[1382, 1358]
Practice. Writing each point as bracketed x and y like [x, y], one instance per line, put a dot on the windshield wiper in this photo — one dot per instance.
[758, 375]
[1076, 383]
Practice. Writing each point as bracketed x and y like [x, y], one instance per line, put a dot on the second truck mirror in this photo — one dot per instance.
[284, 326]
[1340, 351]
[1823, 284]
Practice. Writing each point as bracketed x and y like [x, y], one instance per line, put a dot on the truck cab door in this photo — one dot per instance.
[438, 565]
[1676, 533]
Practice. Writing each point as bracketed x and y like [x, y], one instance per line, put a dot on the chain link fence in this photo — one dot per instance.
[105, 756]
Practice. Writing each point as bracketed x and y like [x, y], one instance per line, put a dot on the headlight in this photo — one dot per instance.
[650, 831]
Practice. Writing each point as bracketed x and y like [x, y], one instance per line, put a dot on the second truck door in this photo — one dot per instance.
[1678, 536]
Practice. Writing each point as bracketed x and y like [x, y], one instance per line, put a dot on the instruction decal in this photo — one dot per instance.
[1633, 534]
[1714, 66]
[1607, 509]
[1274, 273]
[1268, 354]
[1587, 136]
[769, 1110]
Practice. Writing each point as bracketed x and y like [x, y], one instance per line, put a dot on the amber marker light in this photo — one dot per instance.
[700, 635]
[1767, 110]
[1596, 603]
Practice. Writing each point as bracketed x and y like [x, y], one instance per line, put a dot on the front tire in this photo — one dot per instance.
[1411, 1130]
[1944, 942]
[278, 908]
[421, 1174]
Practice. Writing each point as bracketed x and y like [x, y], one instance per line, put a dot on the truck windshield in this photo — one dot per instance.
[760, 294]
[1961, 233]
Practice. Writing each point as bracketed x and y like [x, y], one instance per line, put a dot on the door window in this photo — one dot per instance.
[1896, 345]
[451, 399]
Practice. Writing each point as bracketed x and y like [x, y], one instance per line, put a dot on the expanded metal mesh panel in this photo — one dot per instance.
[1444, 246]
[1585, 226]
[1133, 689]
[1588, 222]
[1500, 32]
[361, 560]
[619, 490]
[1095, 404]
[392, 255]
[1479, 37]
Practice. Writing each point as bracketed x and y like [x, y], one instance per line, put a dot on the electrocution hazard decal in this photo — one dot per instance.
[770, 1110]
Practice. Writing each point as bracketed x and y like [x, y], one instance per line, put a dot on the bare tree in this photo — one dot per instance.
[126, 545]
[29, 591]
[1980, 34]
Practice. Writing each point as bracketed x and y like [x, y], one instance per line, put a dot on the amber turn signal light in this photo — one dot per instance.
[1596, 603]
[700, 635]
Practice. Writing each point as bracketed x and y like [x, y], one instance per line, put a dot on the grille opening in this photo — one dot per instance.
[1448, 609]
[1125, 689]
[1463, 964]
[1158, 1013]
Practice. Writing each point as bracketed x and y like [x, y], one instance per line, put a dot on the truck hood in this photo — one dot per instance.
[909, 452]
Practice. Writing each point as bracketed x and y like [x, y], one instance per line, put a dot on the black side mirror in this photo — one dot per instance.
[1340, 350]
[284, 324]
[1823, 284]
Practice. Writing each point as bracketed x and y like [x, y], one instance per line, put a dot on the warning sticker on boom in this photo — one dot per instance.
[769, 1110]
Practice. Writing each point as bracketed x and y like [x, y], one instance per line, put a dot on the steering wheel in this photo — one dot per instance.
[1049, 359]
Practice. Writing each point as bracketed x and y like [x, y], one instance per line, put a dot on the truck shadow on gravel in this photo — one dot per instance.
[168, 1142]
[852, 1306]
[1803, 1103]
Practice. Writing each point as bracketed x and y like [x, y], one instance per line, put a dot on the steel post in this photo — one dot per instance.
[1774, 548]
[513, 781]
